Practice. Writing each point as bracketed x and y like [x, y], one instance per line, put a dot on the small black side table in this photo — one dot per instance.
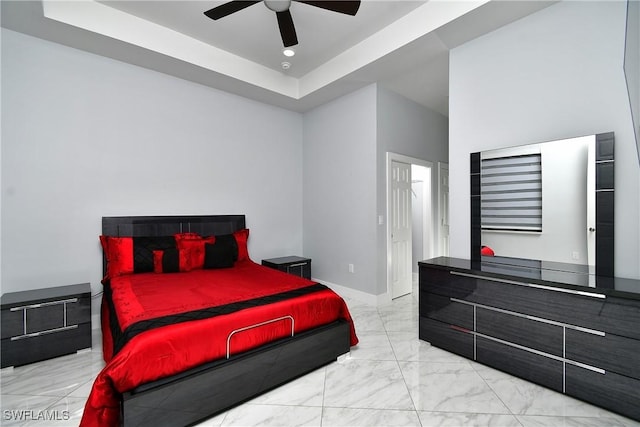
[291, 264]
[45, 323]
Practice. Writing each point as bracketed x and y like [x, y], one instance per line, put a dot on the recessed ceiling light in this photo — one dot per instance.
[289, 52]
[286, 65]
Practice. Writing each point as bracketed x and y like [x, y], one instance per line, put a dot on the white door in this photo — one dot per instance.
[400, 229]
[443, 209]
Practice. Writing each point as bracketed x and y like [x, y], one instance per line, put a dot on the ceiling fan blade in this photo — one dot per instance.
[229, 8]
[287, 29]
[346, 7]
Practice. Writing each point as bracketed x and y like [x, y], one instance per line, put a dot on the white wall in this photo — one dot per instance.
[339, 208]
[85, 136]
[345, 146]
[555, 74]
[407, 128]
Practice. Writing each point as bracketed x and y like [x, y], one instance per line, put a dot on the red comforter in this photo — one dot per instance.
[166, 349]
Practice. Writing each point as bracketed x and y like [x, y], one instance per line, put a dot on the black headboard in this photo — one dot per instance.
[205, 225]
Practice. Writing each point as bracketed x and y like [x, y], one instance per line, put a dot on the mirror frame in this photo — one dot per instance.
[605, 193]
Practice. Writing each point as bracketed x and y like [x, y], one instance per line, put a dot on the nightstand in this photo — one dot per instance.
[290, 264]
[44, 323]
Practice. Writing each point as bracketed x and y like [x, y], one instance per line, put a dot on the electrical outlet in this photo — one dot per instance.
[351, 269]
[575, 255]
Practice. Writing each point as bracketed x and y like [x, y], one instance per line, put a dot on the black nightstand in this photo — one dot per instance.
[44, 323]
[291, 264]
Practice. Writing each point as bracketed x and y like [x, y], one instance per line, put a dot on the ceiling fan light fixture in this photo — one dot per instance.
[288, 52]
[278, 5]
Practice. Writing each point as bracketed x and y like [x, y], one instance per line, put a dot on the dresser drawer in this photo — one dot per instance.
[445, 310]
[519, 330]
[33, 349]
[442, 282]
[610, 352]
[12, 323]
[45, 315]
[584, 311]
[521, 363]
[613, 315]
[612, 391]
[447, 337]
[79, 312]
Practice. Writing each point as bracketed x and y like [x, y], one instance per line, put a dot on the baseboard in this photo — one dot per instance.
[95, 321]
[361, 296]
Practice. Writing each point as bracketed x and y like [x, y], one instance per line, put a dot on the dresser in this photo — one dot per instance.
[44, 323]
[549, 323]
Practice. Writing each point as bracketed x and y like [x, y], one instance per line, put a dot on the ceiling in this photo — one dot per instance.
[401, 45]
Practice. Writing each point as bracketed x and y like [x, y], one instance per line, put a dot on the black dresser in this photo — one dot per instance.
[44, 323]
[549, 323]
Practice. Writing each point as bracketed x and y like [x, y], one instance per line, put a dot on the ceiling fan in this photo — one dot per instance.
[281, 8]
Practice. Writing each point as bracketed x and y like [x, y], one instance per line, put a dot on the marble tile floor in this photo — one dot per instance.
[390, 379]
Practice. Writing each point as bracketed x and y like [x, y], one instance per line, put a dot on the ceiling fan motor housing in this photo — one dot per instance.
[278, 5]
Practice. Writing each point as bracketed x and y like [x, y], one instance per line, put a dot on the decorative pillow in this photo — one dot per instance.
[487, 251]
[118, 252]
[170, 261]
[241, 237]
[143, 248]
[193, 246]
[128, 255]
[221, 254]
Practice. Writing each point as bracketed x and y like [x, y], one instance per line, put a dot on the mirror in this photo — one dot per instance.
[632, 65]
[551, 201]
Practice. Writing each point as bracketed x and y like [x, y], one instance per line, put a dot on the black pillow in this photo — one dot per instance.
[170, 261]
[143, 248]
[221, 254]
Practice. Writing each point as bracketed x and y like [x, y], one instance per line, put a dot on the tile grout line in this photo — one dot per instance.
[404, 380]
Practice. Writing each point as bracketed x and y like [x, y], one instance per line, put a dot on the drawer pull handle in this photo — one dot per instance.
[48, 331]
[300, 264]
[44, 304]
[531, 285]
[585, 366]
[568, 291]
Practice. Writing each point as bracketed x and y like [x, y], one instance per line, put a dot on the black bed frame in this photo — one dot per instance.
[197, 394]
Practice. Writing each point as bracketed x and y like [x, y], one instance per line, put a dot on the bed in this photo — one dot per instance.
[189, 332]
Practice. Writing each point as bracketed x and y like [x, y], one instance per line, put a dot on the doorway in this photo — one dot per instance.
[422, 211]
[411, 235]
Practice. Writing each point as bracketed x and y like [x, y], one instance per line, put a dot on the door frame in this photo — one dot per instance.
[440, 249]
[391, 156]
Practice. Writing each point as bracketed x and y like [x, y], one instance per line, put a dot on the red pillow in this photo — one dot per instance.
[487, 251]
[241, 237]
[192, 244]
[119, 254]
